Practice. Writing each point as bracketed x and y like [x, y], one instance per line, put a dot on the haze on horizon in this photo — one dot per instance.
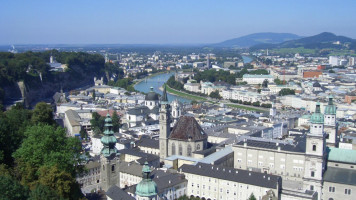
[167, 22]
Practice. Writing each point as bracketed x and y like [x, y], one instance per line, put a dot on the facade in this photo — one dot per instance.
[302, 162]
[257, 79]
[217, 182]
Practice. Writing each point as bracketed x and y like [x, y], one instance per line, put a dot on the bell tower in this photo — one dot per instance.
[164, 125]
[109, 157]
[330, 123]
[315, 158]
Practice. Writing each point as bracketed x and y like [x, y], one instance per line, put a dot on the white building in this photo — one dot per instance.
[257, 79]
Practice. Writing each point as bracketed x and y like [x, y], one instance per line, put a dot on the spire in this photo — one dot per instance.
[164, 98]
[317, 117]
[330, 109]
[108, 140]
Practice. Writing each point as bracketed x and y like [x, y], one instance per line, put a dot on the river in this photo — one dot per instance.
[246, 59]
[156, 82]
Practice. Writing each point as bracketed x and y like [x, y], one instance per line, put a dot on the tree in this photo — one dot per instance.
[277, 81]
[115, 121]
[265, 83]
[252, 197]
[215, 94]
[12, 190]
[49, 146]
[331, 71]
[83, 134]
[13, 124]
[97, 123]
[60, 181]
[42, 113]
[286, 91]
[43, 192]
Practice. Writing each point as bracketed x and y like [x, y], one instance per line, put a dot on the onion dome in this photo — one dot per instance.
[147, 187]
[151, 96]
[330, 109]
[317, 117]
[108, 140]
[316, 84]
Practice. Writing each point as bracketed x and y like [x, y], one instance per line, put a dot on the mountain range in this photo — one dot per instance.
[258, 38]
[288, 40]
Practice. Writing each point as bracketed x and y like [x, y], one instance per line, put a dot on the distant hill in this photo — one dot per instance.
[322, 40]
[258, 38]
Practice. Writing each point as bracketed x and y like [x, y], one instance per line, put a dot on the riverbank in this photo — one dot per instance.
[150, 76]
[185, 95]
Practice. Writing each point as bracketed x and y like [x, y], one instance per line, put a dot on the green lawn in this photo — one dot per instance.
[188, 96]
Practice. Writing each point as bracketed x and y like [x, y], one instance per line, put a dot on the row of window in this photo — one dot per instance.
[180, 149]
[347, 191]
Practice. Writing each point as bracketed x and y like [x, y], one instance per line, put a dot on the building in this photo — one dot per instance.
[255, 79]
[217, 182]
[312, 74]
[192, 86]
[186, 136]
[301, 163]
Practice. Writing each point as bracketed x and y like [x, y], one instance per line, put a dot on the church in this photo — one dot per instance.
[186, 136]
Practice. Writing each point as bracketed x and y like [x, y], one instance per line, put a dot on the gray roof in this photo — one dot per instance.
[187, 128]
[340, 175]
[231, 174]
[147, 157]
[73, 117]
[142, 110]
[130, 168]
[299, 145]
[115, 193]
[148, 142]
[163, 179]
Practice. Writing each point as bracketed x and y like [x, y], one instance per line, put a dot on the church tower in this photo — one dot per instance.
[330, 123]
[147, 188]
[272, 111]
[176, 110]
[315, 153]
[164, 125]
[109, 158]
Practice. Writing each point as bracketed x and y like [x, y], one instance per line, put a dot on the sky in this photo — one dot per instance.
[167, 21]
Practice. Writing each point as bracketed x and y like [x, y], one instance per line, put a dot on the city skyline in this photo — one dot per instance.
[161, 22]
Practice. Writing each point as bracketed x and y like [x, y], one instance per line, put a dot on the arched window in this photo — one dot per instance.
[173, 149]
[180, 150]
[189, 150]
[198, 146]
[151, 103]
[314, 147]
[174, 113]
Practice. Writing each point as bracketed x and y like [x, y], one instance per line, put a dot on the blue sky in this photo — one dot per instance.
[167, 21]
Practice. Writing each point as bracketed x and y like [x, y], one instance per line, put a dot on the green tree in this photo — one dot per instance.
[215, 94]
[49, 146]
[60, 181]
[42, 192]
[13, 124]
[277, 81]
[252, 197]
[12, 190]
[97, 123]
[265, 83]
[286, 91]
[115, 121]
[42, 113]
[83, 134]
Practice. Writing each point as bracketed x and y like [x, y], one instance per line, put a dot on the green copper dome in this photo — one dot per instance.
[147, 187]
[330, 109]
[317, 117]
[108, 140]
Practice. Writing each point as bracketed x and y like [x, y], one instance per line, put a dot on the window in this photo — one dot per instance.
[312, 187]
[189, 150]
[198, 146]
[173, 149]
[312, 174]
[113, 168]
[331, 189]
[180, 150]
[314, 147]
[348, 191]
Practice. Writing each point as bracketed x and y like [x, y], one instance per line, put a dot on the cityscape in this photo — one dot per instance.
[177, 101]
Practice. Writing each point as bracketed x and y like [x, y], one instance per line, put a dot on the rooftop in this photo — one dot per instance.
[231, 174]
